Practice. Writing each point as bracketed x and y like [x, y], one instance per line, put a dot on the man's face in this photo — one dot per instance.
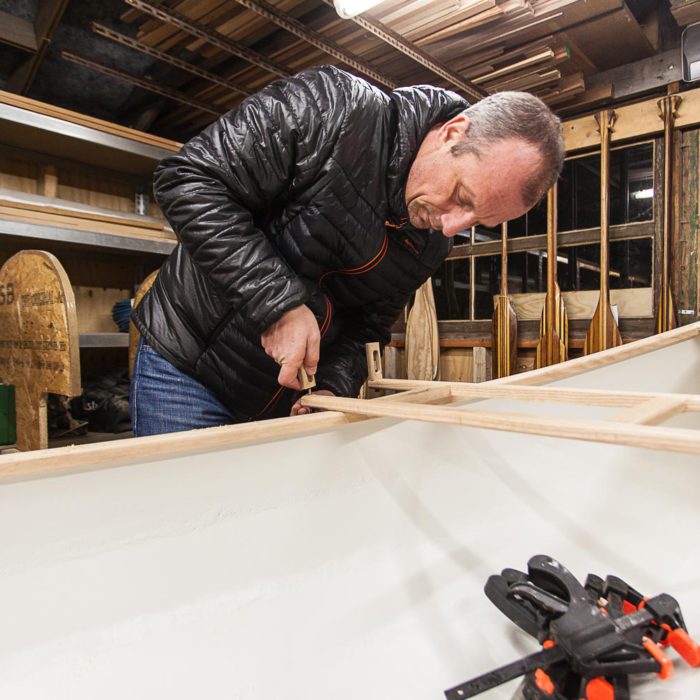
[453, 193]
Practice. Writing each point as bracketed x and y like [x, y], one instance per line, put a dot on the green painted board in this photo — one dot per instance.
[7, 415]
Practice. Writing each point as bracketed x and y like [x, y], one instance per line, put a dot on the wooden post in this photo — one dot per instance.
[482, 365]
[505, 321]
[38, 339]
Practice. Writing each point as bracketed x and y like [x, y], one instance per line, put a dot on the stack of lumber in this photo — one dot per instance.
[685, 11]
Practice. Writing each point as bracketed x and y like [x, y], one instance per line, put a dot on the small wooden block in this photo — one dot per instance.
[305, 380]
[374, 361]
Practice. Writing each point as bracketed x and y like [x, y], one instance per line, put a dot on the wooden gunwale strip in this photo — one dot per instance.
[587, 397]
[603, 359]
[79, 458]
[614, 433]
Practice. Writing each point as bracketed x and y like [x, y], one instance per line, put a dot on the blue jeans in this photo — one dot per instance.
[165, 400]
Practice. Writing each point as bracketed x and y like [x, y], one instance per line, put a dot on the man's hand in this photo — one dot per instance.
[299, 410]
[293, 341]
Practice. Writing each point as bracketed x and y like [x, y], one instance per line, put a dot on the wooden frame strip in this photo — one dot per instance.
[610, 432]
[553, 394]
[655, 411]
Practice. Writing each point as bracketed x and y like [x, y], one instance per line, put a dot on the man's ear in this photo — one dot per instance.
[454, 130]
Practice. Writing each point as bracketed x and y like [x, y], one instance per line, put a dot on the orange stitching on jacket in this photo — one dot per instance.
[363, 268]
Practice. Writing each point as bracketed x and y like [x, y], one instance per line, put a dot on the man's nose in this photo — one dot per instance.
[455, 221]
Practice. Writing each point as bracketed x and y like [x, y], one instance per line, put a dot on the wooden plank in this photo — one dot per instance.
[652, 412]
[481, 358]
[17, 31]
[631, 303]
[422, 341]
[633, 121]
[75, 223]
[78, 213]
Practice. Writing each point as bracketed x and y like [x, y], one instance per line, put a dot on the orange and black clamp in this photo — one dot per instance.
[594, 635]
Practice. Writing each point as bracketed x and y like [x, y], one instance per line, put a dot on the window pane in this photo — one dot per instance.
[633, 261]
[451, 288]
[487, 274]
[630, 265]
[631, 188]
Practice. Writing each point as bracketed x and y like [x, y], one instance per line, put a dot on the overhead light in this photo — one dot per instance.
[347, 9]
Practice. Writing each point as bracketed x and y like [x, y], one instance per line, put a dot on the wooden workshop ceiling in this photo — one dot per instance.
[172, 66]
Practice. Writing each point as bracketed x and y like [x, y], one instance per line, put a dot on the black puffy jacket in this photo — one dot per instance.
[295, 197]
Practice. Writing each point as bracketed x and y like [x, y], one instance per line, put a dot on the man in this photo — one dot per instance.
[306, 219]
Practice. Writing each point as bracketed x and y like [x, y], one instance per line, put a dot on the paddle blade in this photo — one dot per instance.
[554, 333]
[505, 338]
[603, 332]
[666, 313]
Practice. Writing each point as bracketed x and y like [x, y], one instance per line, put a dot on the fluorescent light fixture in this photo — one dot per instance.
[643, 194]
[347, 9]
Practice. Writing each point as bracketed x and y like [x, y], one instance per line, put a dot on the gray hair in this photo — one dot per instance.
[522, 116]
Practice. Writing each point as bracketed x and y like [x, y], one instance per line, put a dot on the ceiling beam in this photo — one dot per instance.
[210, 35]
[418, 55]
[140, 82]
[17, 32]
[311, 36]
[109, 33]
[48, 17]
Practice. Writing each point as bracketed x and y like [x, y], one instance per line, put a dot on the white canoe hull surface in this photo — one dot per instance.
[347, 564]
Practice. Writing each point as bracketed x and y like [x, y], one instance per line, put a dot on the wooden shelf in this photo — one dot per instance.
[136, 244]
[57, 137]
[104, 340]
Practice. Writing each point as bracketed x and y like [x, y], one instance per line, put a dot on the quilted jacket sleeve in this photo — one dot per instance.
[232, 174]
[343, 366]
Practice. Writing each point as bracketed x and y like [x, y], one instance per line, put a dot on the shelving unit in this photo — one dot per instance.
[78, 187]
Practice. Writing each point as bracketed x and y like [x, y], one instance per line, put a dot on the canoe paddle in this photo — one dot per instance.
[505, 322]
[554, 324]
[603, 332]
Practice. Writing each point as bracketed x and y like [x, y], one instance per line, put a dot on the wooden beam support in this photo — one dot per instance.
[18, 32]
[210, 35]
[145, 84]
[109, 33]
[48, 16]
[311, 36]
